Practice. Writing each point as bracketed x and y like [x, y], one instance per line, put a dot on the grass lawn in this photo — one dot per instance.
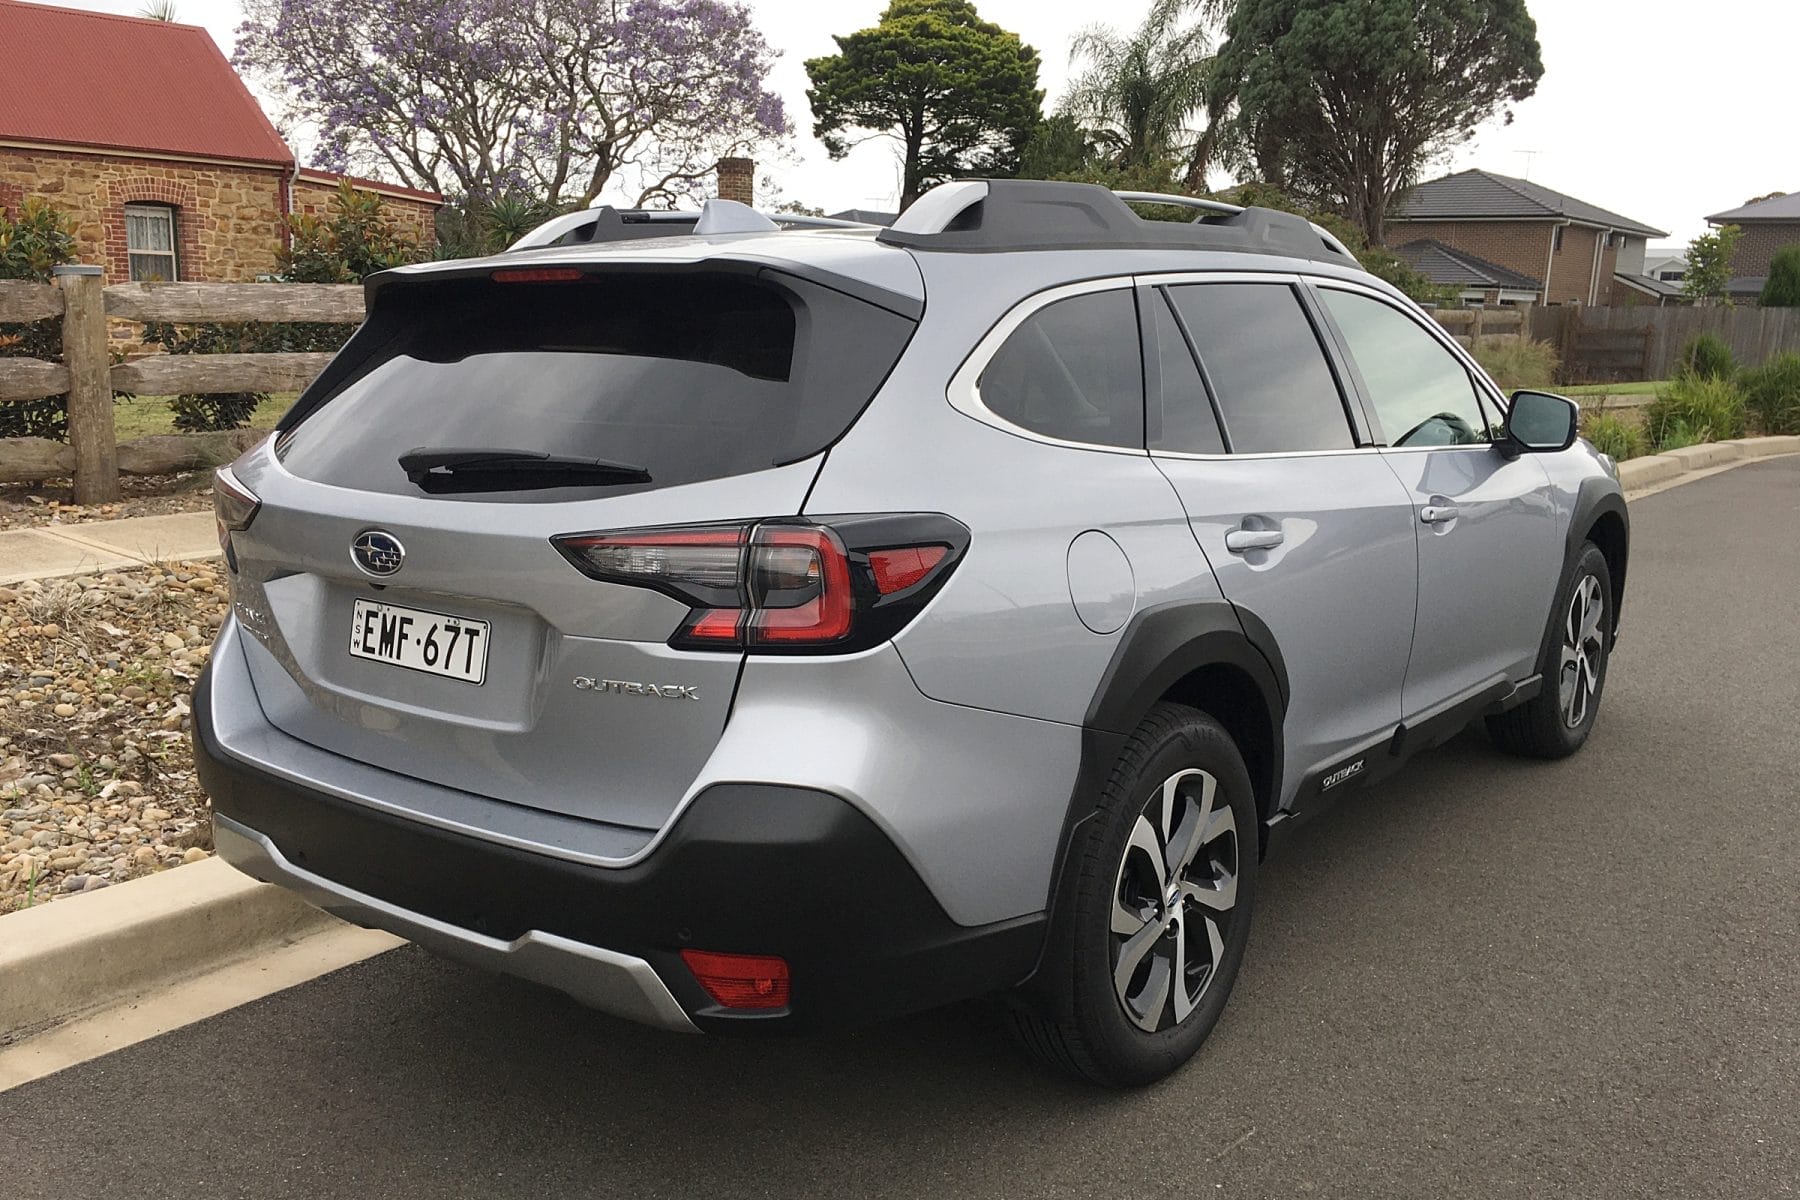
[144, 415]
[1616, 389]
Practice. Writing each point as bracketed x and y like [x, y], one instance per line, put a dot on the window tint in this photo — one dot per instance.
[690, 376]
[1074, 370]
[1422, 393]
[1188, 424]
[1267, 369]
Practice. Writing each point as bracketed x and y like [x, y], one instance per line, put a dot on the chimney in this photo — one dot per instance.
[737, 180]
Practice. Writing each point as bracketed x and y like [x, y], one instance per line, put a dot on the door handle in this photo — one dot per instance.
[1240, 540]
[1437, 514]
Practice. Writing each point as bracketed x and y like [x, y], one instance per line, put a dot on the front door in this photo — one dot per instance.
[1308, 532]
[1489, 554]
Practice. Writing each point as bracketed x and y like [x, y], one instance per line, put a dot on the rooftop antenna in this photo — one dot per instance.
[1529, 155]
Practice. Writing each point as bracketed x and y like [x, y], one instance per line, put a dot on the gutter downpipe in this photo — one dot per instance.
[1550, 258]
[1594, 275]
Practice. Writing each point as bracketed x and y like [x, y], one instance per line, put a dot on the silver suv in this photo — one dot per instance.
[745, 623]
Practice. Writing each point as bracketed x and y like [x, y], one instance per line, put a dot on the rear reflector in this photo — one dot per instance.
[740, 980]
[536, 275]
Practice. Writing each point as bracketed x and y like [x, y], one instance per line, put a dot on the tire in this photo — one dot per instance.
[1556, 722]
[1096, 1016]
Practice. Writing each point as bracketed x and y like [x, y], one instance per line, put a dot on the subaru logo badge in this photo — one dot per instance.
[377, 552]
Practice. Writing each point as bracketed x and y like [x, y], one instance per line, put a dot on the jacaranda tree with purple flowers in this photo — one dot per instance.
[562, 99]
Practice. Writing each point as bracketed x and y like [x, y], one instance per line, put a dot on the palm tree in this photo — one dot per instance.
[1139, 89]
[160, 10]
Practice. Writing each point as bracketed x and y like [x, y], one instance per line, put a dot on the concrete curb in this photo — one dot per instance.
[62, 959]
[1654, 469]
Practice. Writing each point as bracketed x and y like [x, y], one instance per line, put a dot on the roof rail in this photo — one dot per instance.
[1214, 206]
[998, 215]
[609, 224]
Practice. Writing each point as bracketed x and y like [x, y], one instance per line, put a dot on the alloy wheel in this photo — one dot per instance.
[1583, 652]
[1173, 899]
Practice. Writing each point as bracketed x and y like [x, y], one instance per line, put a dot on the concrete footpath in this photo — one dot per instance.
[47, 551]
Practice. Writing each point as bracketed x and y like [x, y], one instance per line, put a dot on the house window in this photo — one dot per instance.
[150, 242]
[1556, 240]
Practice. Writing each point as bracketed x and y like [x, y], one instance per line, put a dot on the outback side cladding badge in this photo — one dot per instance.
[621, 687]
[1341, 774]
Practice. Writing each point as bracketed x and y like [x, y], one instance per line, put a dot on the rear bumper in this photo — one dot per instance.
[747, 868]
[602, 979]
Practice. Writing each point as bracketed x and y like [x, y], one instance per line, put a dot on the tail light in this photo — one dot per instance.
[783, 586]
[741, 980]
[234, 507]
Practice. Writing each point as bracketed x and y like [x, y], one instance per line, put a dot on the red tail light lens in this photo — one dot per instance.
[899, 568]
[234, 507]
[783, 586]
[741, 980]
[799, 587]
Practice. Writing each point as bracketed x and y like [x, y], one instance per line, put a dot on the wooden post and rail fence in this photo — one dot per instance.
[89, 377]
[1596, 345]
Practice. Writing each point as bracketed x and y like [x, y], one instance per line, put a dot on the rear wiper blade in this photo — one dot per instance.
[470, 470]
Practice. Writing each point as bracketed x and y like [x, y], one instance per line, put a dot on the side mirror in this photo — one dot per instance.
[1542, 423]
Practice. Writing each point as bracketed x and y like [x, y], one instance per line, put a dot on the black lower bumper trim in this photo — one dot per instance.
[748, 868]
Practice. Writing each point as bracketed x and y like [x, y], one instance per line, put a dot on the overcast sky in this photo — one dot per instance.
[1662, 110]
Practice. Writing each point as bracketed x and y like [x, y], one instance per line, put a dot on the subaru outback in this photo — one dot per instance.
[745, 624]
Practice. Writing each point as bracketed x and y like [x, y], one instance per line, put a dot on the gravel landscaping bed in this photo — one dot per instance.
[96, 775]
[25, 505]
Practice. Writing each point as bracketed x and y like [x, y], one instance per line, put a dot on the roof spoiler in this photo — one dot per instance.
[715, 218]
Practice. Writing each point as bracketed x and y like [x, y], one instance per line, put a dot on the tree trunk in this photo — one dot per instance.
[910, 172]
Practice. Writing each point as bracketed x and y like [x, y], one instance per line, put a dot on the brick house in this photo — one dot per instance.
[1768, 226]
[141, 132]
[1569, 249]
[1476, 280]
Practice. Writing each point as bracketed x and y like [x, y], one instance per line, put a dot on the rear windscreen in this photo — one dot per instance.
[689, 376]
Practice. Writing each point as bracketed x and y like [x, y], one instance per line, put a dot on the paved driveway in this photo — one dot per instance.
[1484, 978]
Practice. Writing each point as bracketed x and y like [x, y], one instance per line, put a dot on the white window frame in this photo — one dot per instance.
[158, 212]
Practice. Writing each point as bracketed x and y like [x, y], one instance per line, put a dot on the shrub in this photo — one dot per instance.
[1695, 409]
[1708, 357]
[1782, 288]
[1614, 435]
[31, 243]
[1678, 434]
[1772, 393]
[1518, 362]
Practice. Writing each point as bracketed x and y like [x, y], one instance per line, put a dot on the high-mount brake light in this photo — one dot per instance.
[536, 275]
[782, 586]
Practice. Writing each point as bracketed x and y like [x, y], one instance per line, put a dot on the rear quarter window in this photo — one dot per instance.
[690, 375]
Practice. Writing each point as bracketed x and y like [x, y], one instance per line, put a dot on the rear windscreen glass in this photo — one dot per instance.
[689, 376]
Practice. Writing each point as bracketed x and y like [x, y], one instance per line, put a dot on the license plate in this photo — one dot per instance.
[420, 640]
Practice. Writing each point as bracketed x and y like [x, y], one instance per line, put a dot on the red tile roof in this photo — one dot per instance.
[126, 83]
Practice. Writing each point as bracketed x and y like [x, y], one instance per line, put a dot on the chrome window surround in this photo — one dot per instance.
[964, 390]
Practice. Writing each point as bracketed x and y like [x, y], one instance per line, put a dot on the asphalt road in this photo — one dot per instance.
[1484, 978]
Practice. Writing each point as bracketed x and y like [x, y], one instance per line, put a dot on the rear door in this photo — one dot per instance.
[1309, 533]
[1486, 524]
[405, 603]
